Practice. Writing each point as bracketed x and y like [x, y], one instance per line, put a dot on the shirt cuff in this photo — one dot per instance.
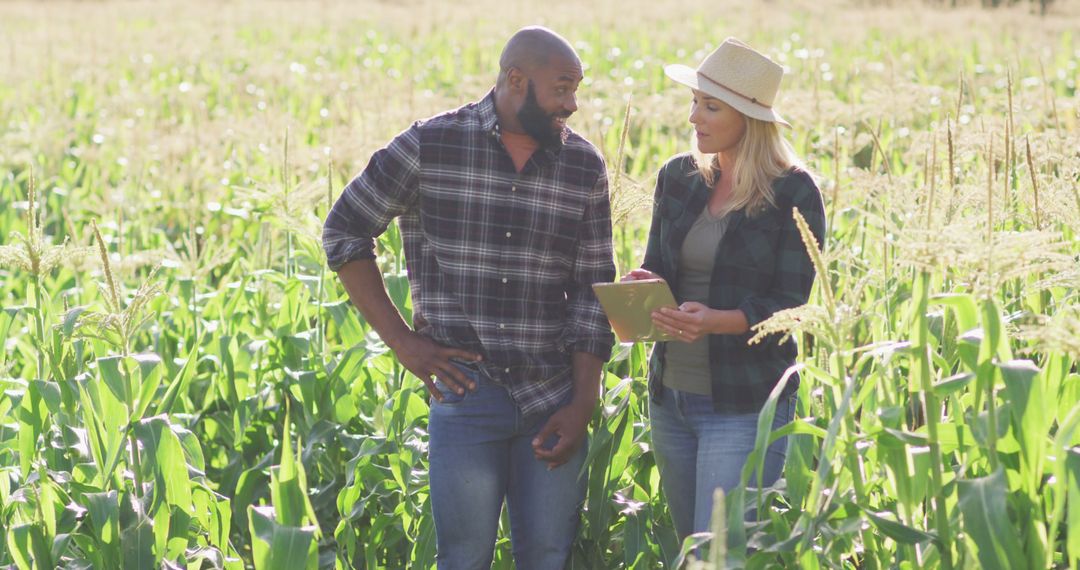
[595, 347]
[755, 311]
[352, 250]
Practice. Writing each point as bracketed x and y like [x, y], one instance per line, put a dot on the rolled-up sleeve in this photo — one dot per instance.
[794, 272]
[594, 263]
[385, 189]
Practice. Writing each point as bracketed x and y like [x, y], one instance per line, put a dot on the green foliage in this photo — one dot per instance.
[201, 394]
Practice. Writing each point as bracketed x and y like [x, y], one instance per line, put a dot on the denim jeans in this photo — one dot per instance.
[481, 452]
[699, 450]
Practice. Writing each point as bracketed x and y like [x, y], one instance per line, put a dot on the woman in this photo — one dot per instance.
[724, 237]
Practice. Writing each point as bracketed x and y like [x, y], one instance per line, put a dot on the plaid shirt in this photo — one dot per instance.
[499, 262]
[761, 267]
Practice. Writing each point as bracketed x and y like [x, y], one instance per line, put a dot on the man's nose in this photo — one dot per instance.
[571, 106]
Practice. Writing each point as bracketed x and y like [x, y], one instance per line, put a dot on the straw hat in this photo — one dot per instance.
[737, 75]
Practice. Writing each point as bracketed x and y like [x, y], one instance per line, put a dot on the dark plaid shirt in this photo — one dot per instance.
[761, 267]
[499, 262]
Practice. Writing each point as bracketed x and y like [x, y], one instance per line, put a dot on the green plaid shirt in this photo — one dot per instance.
[761, 267]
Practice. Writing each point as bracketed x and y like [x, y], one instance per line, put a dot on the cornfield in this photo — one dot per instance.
[185, 384]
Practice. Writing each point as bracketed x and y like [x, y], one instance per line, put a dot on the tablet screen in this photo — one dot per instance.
[629, 306]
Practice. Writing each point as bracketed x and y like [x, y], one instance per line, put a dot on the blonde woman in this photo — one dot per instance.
[724, 238]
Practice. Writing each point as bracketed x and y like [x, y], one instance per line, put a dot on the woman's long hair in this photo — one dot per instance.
[762, 156]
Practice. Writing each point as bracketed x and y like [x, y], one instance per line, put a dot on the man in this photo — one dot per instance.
[506, 224]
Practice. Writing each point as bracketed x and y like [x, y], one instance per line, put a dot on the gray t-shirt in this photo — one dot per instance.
[686, 366]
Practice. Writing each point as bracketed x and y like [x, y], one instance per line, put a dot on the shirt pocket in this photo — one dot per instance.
[669, 212]
[670, 209]
[556, 227]
[755, 245]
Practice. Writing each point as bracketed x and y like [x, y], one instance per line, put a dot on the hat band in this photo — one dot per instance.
[725, 87]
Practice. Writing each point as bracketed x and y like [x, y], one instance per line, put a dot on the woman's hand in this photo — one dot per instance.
[638, 275]
[688, 323]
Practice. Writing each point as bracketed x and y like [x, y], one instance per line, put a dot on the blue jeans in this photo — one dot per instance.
[480, 451]
[699, 450]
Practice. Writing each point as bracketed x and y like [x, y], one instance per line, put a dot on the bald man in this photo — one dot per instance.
[506, 224]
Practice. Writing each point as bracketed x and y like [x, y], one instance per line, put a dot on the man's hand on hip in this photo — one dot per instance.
[426, 359]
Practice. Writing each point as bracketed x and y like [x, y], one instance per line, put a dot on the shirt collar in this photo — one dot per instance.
[489, 120]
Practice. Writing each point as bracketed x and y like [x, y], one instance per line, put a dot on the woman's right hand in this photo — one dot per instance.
[638, 275]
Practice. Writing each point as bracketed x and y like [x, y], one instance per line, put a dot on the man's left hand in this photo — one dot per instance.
[568, 424]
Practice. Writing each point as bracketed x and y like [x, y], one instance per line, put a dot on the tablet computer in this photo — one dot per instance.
[629, 306]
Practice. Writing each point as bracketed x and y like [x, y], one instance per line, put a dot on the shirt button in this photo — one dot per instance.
[508, 234]
[504, 280]
[502, 326]
[507, 371]
[513, 188]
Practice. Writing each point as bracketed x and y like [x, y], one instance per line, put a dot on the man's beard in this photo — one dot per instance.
[539, 124]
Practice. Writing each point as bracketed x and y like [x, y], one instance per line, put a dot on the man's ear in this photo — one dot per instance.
[516, 80]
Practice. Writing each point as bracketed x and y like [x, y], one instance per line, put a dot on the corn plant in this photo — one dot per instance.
[184, 384]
